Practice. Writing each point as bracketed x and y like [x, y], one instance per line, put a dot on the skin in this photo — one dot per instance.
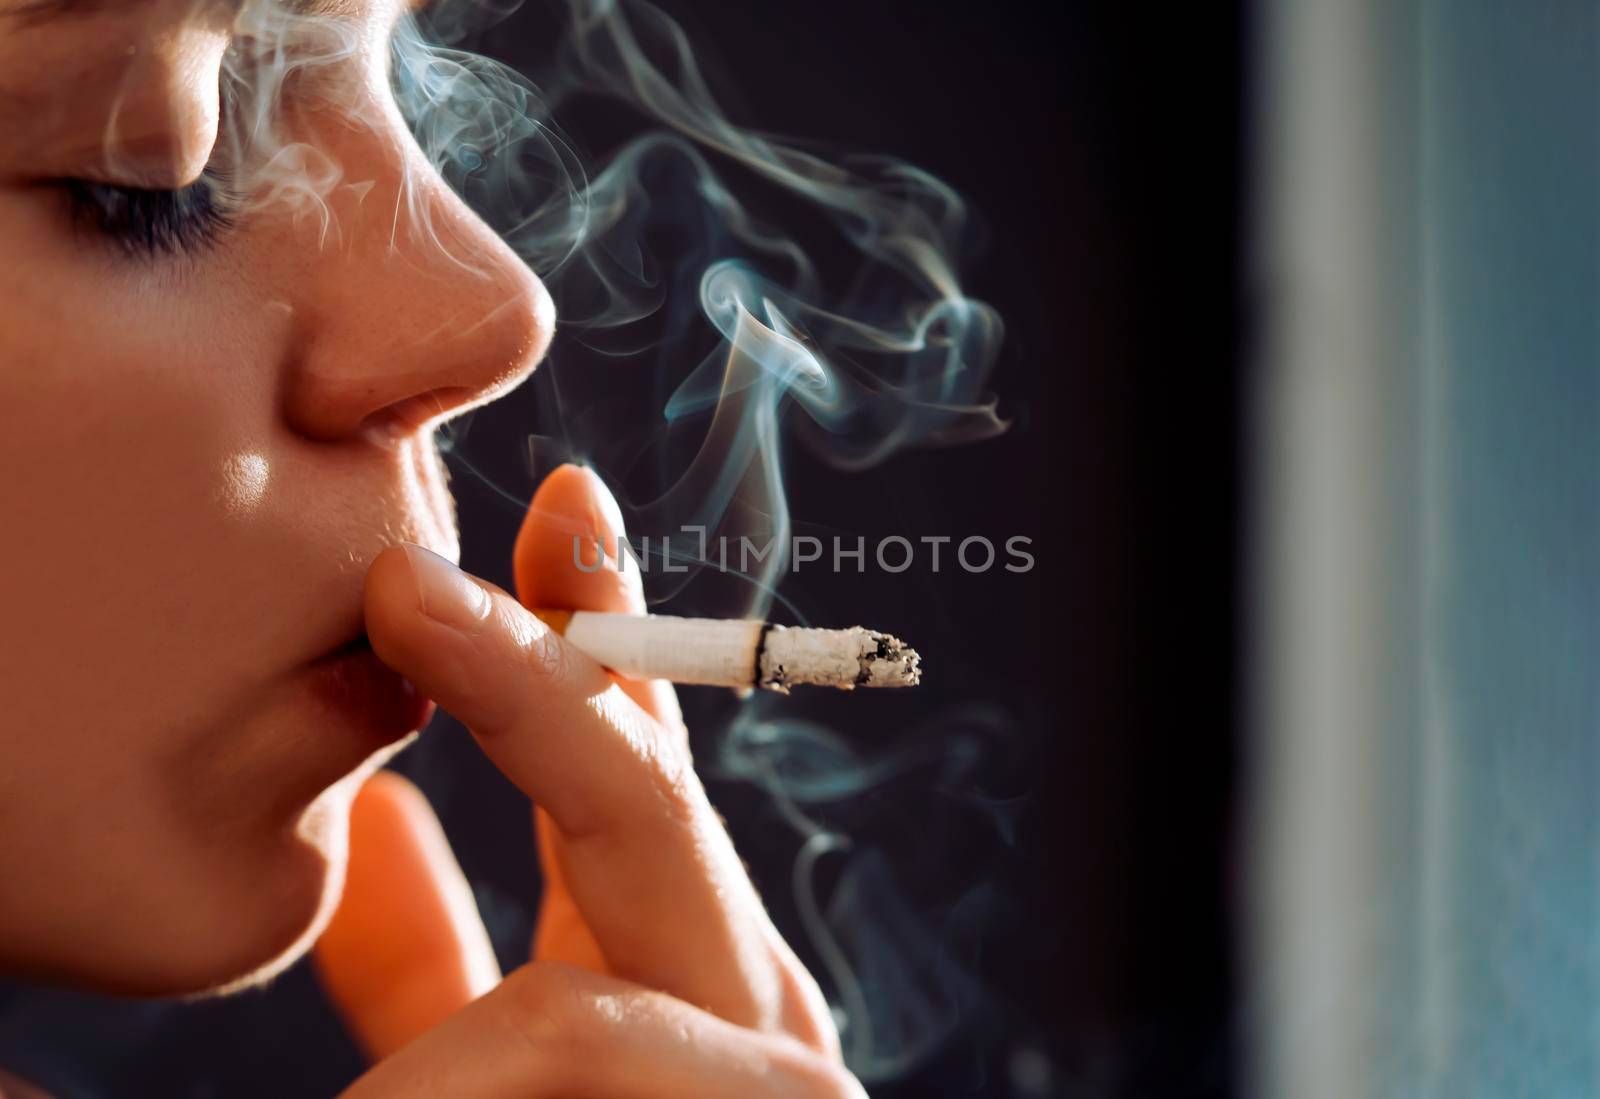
[220, 466]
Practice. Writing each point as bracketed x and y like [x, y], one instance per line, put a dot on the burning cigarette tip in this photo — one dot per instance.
[847, 659]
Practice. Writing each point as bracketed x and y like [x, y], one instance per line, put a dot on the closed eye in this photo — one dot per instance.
[150, 222]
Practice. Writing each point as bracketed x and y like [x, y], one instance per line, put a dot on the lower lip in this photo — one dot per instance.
[370, 695]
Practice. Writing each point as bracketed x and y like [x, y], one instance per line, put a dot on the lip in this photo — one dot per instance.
[369, 695]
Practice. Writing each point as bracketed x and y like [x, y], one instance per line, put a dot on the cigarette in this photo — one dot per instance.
[738, 653]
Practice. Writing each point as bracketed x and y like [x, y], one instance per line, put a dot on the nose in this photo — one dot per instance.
[412, 310]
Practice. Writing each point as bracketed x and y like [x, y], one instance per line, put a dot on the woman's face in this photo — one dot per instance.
[205, 442]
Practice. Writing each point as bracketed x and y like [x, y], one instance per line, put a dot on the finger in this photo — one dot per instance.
[570, 511]
[571, 516]
[645, 858]
[560, 934]
[553, 1030]
[405, 948]
[573, 519]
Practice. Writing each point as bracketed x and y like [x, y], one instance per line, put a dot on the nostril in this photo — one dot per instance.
[424, 410]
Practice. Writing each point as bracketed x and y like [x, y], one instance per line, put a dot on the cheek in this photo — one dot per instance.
[132, 492]
[138, 498]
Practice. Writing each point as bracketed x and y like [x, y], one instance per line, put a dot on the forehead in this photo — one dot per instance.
[69, 69]
[41, 11]
[73, 71]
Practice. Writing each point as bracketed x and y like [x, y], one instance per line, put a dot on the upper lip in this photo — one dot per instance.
[426, 519]
[347, 633]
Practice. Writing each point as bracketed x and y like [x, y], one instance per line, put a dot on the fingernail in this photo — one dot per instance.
[445, 593]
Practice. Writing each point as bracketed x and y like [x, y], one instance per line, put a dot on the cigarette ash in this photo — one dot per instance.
[893, 663]
[846, 659]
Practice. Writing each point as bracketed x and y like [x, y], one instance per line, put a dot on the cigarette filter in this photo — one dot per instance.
[738, 653]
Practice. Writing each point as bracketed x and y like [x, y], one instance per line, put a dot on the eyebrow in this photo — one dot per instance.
[29, 12]
[39, 11]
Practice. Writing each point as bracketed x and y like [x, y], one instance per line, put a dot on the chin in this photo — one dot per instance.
[189, 888]
[286, 913]
[272, 898]
[244, 910]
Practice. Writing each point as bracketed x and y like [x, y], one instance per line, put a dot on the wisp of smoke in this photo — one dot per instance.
[897, 990]
[898, 358]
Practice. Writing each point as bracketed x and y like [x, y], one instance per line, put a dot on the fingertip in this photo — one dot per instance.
[572, 499]
[574, 492]
[556, 562]
[390, 591]
[389, 796]
[428, 632]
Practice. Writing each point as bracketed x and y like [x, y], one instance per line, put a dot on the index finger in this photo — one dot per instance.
[645, 857]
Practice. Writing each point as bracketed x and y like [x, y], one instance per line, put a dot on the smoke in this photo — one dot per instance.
[899, 989]
[655, 262]
[701, 339]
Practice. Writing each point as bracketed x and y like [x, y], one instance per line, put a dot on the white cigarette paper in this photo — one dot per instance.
[740, 653]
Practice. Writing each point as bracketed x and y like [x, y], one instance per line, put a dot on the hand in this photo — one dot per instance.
[656, 970]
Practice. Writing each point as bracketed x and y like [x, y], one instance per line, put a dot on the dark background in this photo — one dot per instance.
[1063, 849]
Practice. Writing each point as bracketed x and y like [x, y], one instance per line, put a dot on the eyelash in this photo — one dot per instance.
[147, 222]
